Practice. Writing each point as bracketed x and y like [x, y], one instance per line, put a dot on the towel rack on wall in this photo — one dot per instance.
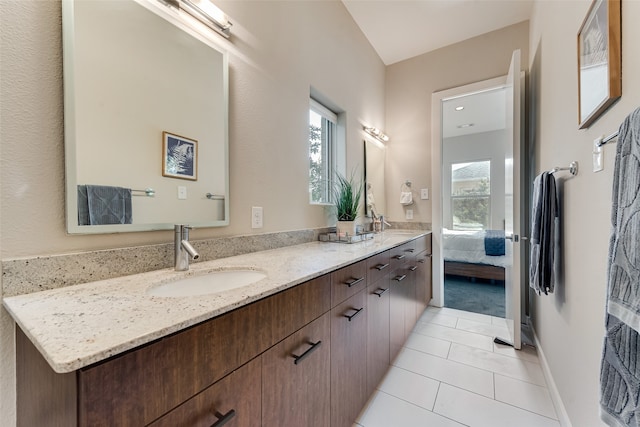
[607, 139]
[573, 168]
[149, 192]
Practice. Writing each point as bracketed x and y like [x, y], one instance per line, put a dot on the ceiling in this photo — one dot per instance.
[402, 29]
[475, 113]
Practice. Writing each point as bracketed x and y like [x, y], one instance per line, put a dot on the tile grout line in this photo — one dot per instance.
[500, 402]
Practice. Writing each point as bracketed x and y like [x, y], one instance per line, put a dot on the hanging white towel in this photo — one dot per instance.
[406, 198]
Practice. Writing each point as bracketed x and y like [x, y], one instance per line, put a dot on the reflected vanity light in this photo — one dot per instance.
[376, 133]
[205, 12]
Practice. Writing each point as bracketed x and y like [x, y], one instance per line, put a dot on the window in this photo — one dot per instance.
[471, 195]
[322, 152]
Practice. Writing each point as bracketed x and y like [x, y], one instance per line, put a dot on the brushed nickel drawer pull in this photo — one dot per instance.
[413, 268]
[410, 250]
[399, 256]
[353, 281]
[400, 278]
[314, 347]
[381, 267]
[223, 419]
[422, 260]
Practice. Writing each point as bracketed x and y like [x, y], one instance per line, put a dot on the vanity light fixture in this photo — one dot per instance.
[459, 108]
[465, 125]
[376, 133]
[205, 12]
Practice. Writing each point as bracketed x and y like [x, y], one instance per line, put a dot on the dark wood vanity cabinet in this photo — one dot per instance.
[378, 293]
[296, 378]
[348, 359]
[307, 356]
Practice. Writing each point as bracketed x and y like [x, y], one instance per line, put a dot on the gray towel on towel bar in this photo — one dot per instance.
[620, 368]
[99, 205]
[544, 234]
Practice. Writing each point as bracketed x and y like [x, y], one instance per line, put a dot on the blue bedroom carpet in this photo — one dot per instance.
[480, 296]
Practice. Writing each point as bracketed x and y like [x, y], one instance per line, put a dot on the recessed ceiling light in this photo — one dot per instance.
[466, 125]
[459, 108]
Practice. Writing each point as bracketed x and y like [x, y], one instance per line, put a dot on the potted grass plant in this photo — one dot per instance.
[347, 195]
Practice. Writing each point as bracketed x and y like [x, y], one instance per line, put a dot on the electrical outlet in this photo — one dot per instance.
[256, 217]
[424, 194]
[182, 192]
[408, 214]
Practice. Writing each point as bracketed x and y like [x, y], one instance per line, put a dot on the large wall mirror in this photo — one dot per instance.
[146, 119]
[374, 158]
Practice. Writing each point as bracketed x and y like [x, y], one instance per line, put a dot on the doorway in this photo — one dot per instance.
[445, 189]
[474, 138]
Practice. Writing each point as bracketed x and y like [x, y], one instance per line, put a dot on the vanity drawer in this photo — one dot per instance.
[401, 254]
[378, 266]
[348, 281]
[422, 244]
[234, 401]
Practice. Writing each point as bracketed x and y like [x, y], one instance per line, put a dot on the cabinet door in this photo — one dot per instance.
[423, 281]
[377, 332]
[411, 301]
[295, 378]
[348, 360]
[234, 401]
[397, 295]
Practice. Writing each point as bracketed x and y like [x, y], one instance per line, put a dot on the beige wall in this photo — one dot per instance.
[570, 323]
[409, 86]
[277, 52]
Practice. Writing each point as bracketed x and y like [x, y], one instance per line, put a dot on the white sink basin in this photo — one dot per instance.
[210, 283]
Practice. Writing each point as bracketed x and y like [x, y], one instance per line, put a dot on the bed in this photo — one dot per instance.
[476, 254]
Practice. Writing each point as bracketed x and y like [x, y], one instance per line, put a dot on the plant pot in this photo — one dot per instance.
[346, 228]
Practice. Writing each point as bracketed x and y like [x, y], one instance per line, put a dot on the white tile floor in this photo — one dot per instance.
[450, 373]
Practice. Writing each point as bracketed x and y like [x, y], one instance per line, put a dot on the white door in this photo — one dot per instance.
[513, 193]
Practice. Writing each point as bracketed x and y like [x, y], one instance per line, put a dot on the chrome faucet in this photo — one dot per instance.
[183, 249]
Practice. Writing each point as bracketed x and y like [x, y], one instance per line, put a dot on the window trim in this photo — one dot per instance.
[329, 151]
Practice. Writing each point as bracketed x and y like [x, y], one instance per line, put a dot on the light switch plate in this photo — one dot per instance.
[182, 192]
[424, 194]
[408, 214]
[256, 217]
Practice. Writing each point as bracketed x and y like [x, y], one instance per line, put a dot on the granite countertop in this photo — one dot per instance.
[79, 325]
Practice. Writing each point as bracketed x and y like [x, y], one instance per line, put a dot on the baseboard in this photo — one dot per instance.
[561, 412]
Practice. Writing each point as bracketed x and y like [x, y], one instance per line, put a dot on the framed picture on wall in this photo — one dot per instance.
[179, 156]
[599, 60]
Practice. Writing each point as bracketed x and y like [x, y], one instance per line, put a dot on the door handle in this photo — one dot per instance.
[514, 237]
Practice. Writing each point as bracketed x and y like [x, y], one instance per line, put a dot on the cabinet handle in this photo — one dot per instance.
[400, 278]
[358, 311]
[422, 260]
[314, 347]
[353, 281]
[399, 256]
[380, 291]
[381, 267]
[410, 250]
[413, 268]
[223, 419]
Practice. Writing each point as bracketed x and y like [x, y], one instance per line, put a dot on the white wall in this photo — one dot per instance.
[471, 148]
[570, 323]
[409, 85]
[277, 52]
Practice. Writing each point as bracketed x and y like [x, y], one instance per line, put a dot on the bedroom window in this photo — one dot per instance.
[471, 195]
[322, 152]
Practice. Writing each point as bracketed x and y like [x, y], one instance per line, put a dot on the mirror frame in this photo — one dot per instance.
[205, 36]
